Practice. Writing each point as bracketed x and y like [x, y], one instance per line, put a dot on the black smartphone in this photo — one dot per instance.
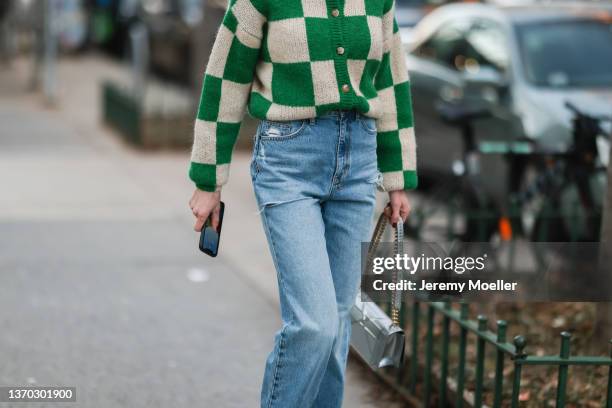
[209, 237]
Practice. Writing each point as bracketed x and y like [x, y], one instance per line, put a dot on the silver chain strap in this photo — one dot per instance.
[396, 296]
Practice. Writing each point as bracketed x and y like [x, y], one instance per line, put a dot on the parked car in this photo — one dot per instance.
[523, 63]
[409, 12]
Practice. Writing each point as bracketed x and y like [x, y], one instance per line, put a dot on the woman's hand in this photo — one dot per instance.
[398, 206]
[202, 204]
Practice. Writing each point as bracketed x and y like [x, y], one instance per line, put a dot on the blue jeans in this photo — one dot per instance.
[315, 183]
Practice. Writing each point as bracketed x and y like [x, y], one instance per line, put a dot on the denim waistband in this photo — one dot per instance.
[350, 114]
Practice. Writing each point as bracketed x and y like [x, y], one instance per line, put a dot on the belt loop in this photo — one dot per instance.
[313, 120]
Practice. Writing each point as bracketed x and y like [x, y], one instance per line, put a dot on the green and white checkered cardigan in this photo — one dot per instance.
[296, 59]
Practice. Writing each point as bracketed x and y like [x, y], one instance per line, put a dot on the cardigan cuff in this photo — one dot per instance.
[204, 176]
[206, 187]
[399, 180]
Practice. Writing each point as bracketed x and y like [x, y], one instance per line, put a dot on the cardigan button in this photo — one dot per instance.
[346, 88]
[335, 12]
[340, 50]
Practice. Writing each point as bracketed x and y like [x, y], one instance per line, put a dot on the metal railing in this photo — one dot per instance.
[514, 351]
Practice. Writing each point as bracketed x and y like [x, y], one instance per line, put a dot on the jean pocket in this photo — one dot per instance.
[281, 130]
[367, 123]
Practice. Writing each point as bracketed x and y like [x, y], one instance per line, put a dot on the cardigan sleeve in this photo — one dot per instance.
[225, 92]
[396, 146]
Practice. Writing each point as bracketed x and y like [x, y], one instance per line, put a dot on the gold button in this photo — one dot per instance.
[340, 50]
[335, 12]
[345, 88]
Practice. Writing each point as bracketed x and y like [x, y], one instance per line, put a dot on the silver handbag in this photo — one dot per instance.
[375, 337]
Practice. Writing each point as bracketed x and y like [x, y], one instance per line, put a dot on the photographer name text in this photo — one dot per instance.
[460, 287]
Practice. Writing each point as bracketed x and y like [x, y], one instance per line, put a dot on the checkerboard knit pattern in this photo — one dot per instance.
[296, 59]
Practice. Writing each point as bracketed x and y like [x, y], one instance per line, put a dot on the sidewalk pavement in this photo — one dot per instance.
[101, 283]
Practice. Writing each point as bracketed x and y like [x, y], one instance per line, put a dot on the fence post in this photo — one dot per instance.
[50, 41]
[463, 316]
[609, 399]
[519, 344]
[499, 364]
[563, 368]
[428, 355]
[480, 356]
[444, 356]
[139, 41]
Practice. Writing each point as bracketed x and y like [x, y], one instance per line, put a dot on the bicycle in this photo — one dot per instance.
[554, 196]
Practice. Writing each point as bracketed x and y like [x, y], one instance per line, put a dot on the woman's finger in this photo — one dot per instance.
[395, 215]
[199, 224]
[388, 212]
[215, 217]
[405, 211]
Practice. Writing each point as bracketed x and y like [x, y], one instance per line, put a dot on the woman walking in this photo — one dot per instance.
[329, 82]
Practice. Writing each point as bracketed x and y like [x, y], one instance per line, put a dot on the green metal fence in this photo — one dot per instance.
[420, 373]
